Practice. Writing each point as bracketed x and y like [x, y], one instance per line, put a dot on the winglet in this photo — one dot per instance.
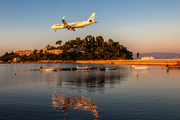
[63, 18]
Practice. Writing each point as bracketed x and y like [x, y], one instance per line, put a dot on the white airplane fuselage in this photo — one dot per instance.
[73, 25]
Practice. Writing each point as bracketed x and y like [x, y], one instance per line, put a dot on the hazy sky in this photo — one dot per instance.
[139, 25]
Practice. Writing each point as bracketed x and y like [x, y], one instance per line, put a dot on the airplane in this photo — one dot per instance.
[72, 25]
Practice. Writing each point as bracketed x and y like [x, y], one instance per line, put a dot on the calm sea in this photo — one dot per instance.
[122, 94]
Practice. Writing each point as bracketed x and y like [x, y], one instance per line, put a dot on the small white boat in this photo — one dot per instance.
[140, 68]
[49, 69]
[82, 68]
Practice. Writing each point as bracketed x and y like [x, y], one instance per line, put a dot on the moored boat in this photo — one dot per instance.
[102, 69]
[49, 69]
[106, 68]
[83, 68]
[173, 67]
[111, 68]
[140, 68]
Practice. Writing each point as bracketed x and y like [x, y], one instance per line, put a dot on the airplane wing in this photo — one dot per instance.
[66, 25]
[64, 22]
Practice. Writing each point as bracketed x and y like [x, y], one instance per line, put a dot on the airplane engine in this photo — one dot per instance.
[71, 29]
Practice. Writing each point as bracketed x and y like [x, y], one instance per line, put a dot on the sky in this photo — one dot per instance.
[139, 25]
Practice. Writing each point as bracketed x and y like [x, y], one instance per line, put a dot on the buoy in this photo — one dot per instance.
[15, 73]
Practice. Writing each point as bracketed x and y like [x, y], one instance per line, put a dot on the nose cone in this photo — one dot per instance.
[53, 27]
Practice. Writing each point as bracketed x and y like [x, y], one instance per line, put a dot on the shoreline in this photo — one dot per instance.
[160, 62]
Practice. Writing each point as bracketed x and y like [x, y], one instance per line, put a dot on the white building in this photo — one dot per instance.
[147, 58]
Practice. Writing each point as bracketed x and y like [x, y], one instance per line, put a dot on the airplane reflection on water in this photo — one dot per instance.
[78, 81]
[66, 102]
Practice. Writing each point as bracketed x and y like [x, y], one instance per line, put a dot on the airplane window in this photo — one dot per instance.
[58, 25]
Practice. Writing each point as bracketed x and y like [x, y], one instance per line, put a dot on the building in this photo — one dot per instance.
[44, 49]
[24, 52]
[78, 50]
[16, 59]
[38, 51]
[147, 58]
[52, 51]
[55, 51]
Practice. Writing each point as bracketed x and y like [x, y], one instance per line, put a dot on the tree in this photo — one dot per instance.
[100, 41]
[84, 43]
[110, 42]
[91, 40]
[59, 42]
[78, 41]
[34, 52]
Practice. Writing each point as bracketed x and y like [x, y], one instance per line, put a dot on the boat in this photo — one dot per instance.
[82, 68]
[173, 67]
[102, 69]
[112, 68]
[106, 68]
[140, 68]
[49, 69]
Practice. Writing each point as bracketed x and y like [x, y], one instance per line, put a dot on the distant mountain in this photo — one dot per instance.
[158, 55]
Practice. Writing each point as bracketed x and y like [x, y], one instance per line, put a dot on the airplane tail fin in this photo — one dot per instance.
[91, 18]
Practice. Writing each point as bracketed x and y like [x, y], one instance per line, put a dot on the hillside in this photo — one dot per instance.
[158, 55]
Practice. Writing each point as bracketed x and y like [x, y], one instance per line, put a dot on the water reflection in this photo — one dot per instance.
[66, 102]
[137, 75]
[91, 81]
[84, 83]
